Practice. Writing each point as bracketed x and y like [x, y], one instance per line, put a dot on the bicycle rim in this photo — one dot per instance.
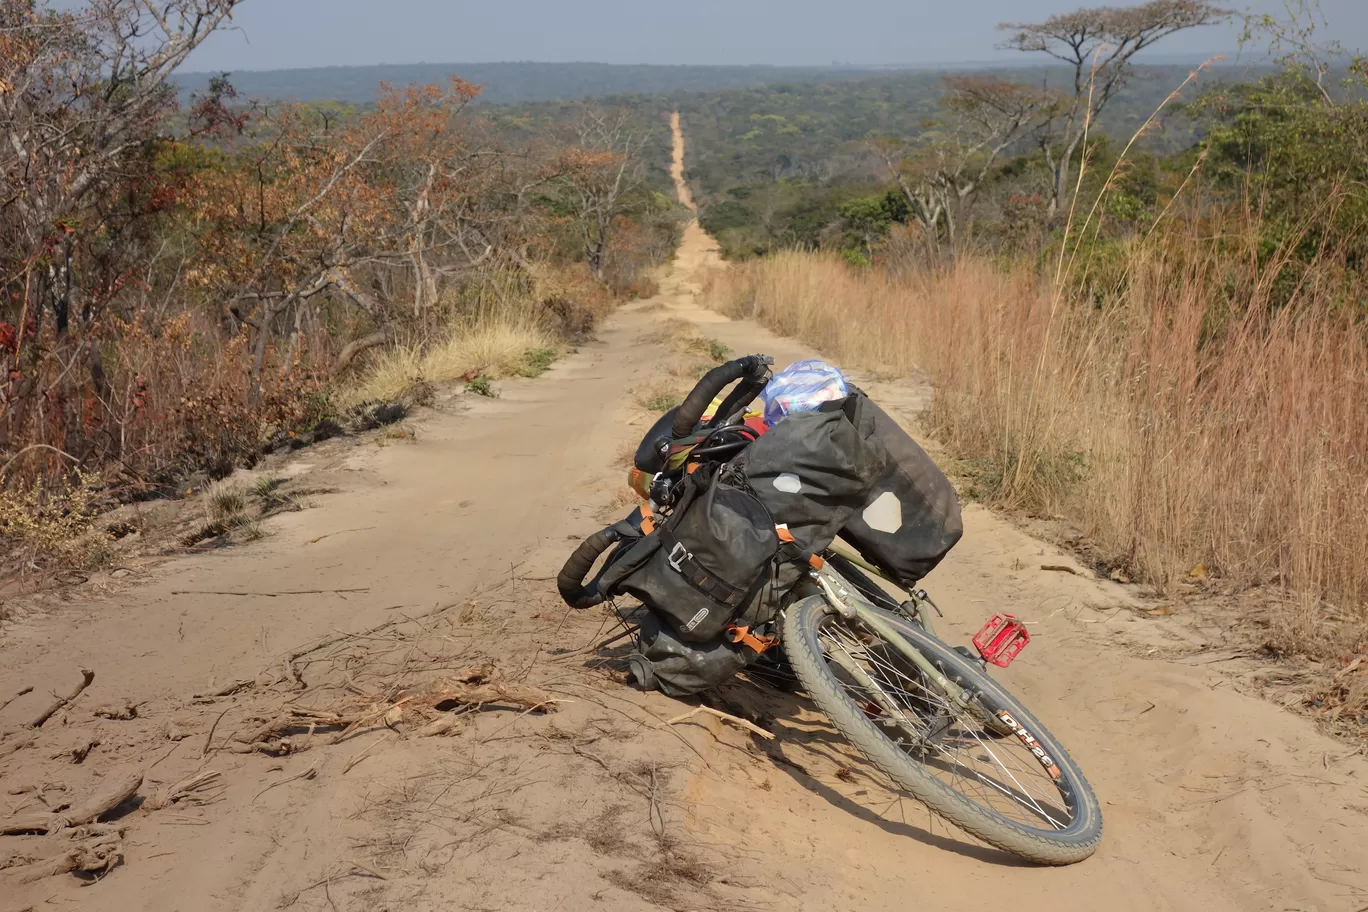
[1021, 793]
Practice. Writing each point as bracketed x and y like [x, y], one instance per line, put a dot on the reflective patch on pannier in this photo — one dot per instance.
[884, 514]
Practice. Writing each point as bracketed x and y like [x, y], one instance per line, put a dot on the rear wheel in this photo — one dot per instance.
[1022, 794]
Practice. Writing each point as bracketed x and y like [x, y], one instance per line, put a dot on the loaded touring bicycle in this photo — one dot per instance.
[734, 555]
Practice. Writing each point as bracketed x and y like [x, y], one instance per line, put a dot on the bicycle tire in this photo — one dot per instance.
[1069, 845]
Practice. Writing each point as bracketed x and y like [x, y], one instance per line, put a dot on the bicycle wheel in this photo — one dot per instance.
[1024, 795]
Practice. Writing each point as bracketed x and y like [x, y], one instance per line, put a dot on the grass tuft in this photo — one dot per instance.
[508, 347]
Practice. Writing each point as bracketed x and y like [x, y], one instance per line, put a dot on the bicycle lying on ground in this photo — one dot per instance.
[866, 652]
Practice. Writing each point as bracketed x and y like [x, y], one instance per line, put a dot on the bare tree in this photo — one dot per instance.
[1099, 45]
[600, 177]
[1294, 38]
[84, 91]
[941, 172]
[83, 95]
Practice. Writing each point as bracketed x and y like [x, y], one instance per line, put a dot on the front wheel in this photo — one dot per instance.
[1022, 794]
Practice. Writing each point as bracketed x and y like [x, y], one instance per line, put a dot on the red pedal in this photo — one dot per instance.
[1001, 640]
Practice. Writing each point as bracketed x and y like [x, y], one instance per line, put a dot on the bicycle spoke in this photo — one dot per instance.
[1000, 775]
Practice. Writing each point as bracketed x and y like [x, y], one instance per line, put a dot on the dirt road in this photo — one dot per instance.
[1213, 800]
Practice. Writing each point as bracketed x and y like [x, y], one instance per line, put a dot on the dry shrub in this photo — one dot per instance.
[55, 522]
[176, 399]
[1187, 421]
[503, 325]
[497, 349]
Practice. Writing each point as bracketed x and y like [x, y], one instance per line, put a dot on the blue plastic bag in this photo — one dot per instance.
[802, 387]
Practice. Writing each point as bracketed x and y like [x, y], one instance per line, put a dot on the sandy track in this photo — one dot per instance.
[1213, 800]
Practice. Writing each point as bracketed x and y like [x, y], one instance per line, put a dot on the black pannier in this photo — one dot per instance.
[911, 517]
[703, 568]
[662, 661]
[813, 470]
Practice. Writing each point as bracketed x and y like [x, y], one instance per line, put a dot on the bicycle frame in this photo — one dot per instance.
[847, 601]
[920, 599]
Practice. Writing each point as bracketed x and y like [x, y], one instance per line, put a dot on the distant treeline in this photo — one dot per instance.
[513, 83]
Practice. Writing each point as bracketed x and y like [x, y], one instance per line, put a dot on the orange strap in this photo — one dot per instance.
[785, 536]
[647, 519]
[744, 637]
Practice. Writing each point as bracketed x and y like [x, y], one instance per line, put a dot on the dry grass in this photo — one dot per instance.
[225, 501]
[516, 346]
[1179, 428]
[660, 395]
[685, 338]
[55, 524]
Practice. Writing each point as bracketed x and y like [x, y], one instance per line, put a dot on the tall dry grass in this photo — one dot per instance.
[500, 326]
[1187, 424]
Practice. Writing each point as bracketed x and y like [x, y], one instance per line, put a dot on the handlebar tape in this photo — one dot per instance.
[741, 397]
[713, 383]
[570, 582]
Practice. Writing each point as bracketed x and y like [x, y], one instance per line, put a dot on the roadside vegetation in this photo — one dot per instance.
[1168, 351]
[184, 285]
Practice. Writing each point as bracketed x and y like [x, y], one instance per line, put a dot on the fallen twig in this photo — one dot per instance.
[365, 753]
[367, 869]
[314, 541]
[209, 738]
[725, 717]
[269, 594]
[1059, 568]
[113, 793]
[441, 725]
[78, 750]
[86, 677]
[226, 690]
[616, 638]
[26, 690]
[16, 742]
[91, 850]
[199, 789]
[307, 774]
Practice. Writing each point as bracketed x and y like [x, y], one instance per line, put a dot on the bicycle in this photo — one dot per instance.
[866, 652]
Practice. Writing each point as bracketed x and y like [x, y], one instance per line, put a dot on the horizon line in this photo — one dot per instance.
[1226, 58]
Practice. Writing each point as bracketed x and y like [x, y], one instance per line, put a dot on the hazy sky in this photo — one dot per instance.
[301, 33]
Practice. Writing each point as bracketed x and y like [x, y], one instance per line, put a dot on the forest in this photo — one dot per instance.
[1143, 308]
[516, 82]
[189, 284]
[193, 280]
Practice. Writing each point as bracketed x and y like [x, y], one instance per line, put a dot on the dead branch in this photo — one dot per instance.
[122, 711]
[269, 594]
[479, 693]
[209, 738]
[200, 789]
[86, 677]
[347, 768]
[26, 690]
[114, 792]
[309, 773]
[352, 349]
[226, 690]
[425, 708]
[78, 750]
[367, 869]
[16, 742]
[442, 725]
[725, 717]
[85, 850]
